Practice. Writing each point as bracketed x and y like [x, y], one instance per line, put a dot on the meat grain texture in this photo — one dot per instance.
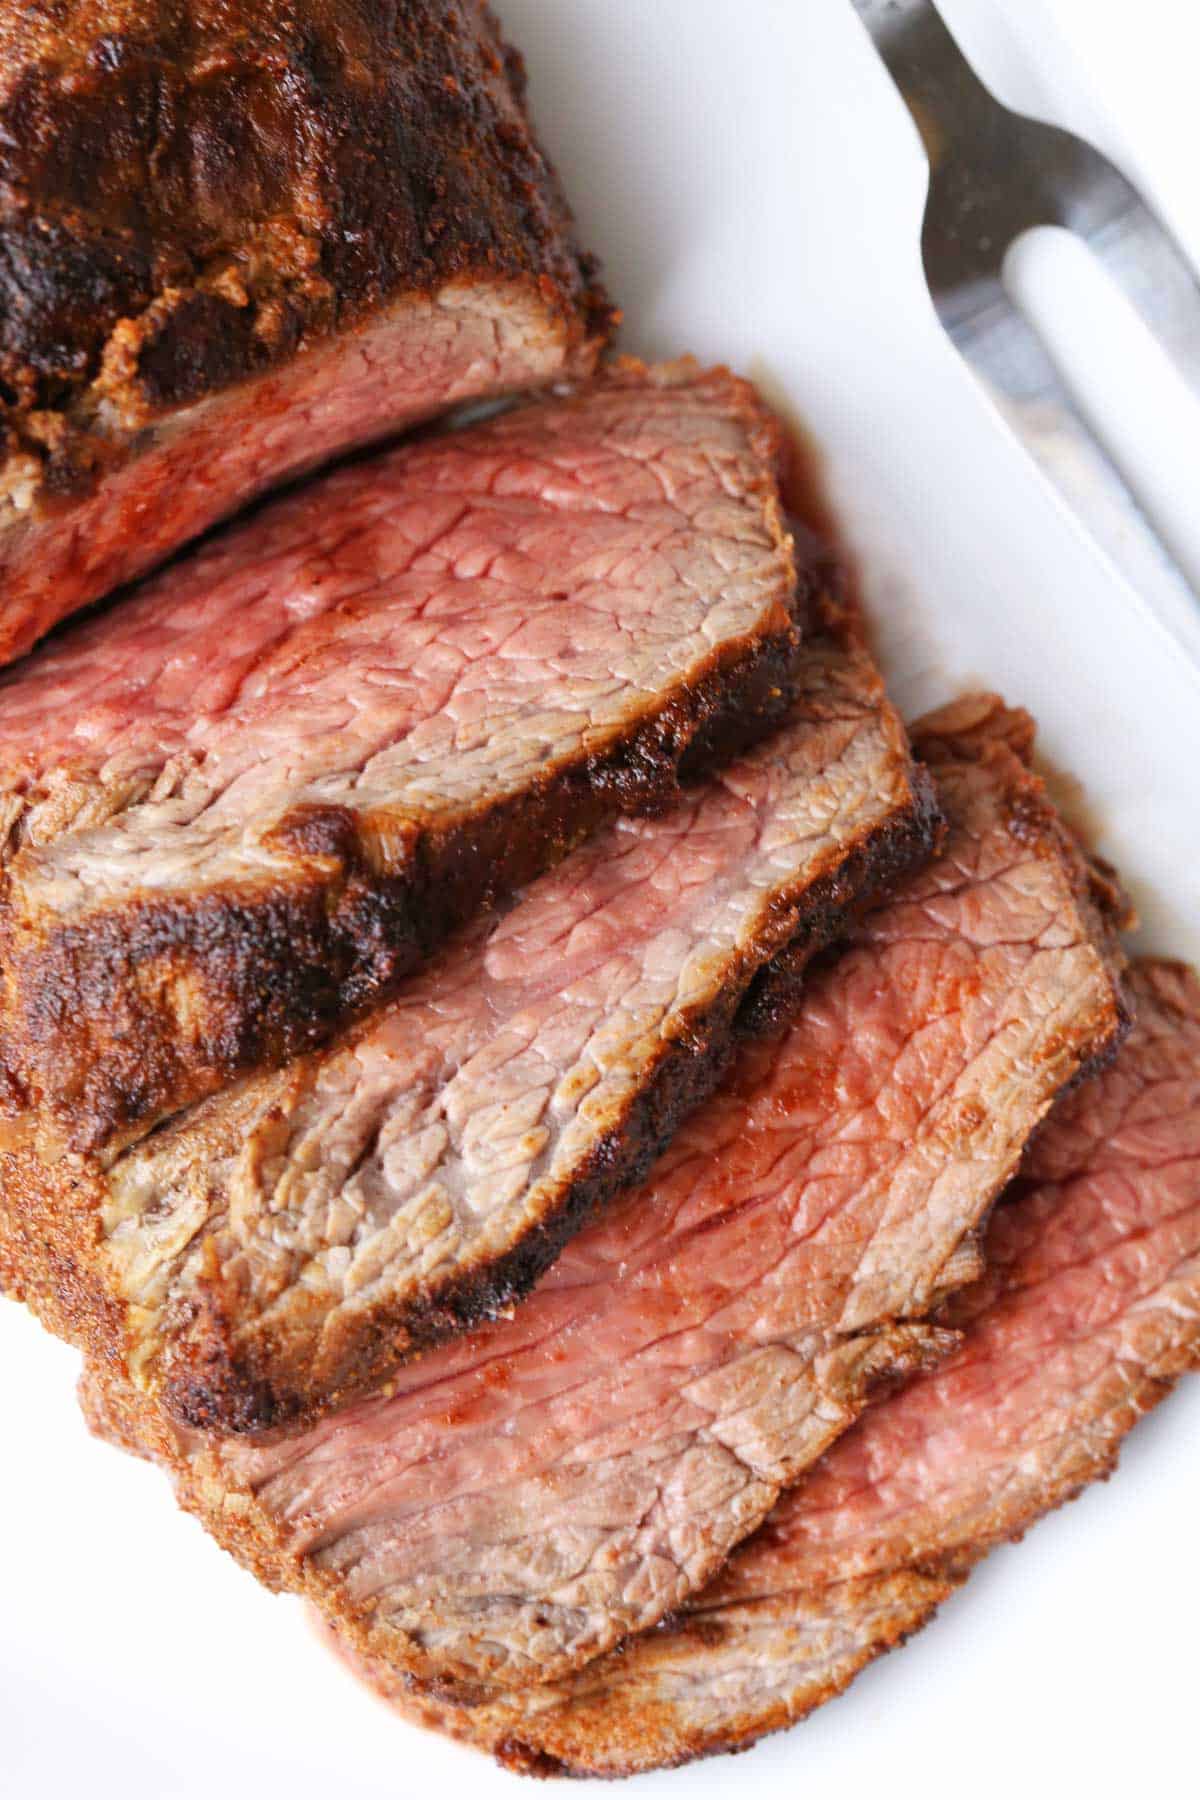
[296, 1237]
[1087, 1314]
[513, 1505]
[237, 239]
[240, 807]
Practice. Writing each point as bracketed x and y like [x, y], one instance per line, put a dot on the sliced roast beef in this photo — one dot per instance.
[1089, 1311]
[513, 1504]
[238, 239]
[295, 1237]
[243, 804]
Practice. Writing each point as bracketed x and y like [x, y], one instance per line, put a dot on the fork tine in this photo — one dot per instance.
[1147, 263]
[1012, 365]
[994, 175]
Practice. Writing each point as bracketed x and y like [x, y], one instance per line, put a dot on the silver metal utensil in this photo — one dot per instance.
[995, 175]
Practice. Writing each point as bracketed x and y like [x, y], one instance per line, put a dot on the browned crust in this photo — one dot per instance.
[191, 195]
[50, 1252]
[108, 1025]
[49, 1246]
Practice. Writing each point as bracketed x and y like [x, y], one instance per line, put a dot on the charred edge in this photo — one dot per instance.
[522, 1759]
[872, 869]
[102, 1043]
[208, 1386]
[131, 227]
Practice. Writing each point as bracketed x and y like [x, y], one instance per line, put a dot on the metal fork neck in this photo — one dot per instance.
[883, 18]
[922, 56]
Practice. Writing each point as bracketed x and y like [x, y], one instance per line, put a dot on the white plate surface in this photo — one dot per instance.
[754, 188]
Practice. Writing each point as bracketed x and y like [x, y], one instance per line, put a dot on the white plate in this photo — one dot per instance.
[755, 189]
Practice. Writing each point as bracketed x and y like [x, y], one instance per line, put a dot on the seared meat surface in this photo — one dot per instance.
[245, 803]
[511, 1506]
[298, 1235]
[238, 239]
